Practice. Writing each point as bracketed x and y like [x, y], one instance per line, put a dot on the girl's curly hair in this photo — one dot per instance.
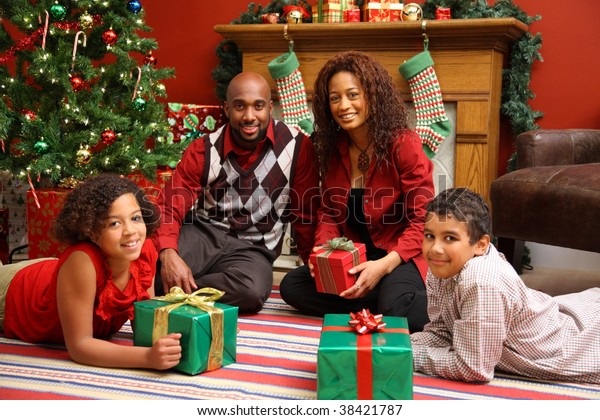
[387, 114]
[86, 208]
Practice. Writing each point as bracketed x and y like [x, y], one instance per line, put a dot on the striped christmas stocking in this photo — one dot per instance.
[291, 92]
[433, 125]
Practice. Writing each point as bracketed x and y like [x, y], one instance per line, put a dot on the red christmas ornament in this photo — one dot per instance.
[30, 115]
[150, 60]
[108, 137]
[77, 83]
[110, 37]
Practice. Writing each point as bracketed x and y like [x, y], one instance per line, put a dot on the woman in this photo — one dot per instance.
[376, 181]
[88, 293]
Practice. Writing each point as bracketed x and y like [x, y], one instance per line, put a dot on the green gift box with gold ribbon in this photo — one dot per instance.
[208, 328]
[371, 366]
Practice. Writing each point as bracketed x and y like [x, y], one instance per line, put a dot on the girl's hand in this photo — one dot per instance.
[166, 352]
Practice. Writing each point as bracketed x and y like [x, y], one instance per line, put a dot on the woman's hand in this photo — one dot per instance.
[369, 275]
[310, 266]
[166, 352]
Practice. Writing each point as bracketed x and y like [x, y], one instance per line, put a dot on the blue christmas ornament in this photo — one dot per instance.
[134, 6]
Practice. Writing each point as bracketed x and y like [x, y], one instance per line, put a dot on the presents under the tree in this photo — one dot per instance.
[40, 220]
[208, 329]
[189, 121]
[332, 262]
[351, 15]
[377, 365]
[152, 188]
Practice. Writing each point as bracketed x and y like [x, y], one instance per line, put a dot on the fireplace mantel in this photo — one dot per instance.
[469, 56]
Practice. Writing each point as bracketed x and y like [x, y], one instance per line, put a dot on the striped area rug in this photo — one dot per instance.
[276, 359]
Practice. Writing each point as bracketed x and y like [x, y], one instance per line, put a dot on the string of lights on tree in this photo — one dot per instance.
[80, 91]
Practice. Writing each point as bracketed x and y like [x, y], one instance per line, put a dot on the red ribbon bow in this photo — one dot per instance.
[364, 321]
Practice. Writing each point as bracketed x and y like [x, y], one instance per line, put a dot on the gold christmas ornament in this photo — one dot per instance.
[411, 12]
[84, 156]
[86, 20]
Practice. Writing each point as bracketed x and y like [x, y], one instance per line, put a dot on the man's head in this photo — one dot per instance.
[457, 228]
[248, 107]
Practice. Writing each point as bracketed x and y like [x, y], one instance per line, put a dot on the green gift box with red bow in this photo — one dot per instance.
[376, 365]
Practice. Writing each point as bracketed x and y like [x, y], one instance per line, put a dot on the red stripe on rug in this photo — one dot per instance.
[487, 389]
[17, 394]
[284, 318]
[264, 378]
[276, 362]
[34, 351]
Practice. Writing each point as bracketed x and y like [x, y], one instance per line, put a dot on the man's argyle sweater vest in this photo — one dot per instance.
[251, 204]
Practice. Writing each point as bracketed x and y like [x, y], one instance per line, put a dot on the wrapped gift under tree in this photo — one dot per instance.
[189, 121]
[208, 328]
[364, 357]
[43, 207]
[332, 263]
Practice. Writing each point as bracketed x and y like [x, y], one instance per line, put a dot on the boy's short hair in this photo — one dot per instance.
[467, 206]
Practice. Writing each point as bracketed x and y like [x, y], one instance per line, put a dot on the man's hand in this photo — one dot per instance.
[175, 272]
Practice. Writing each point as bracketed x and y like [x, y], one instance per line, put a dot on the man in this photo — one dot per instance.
[225, 211]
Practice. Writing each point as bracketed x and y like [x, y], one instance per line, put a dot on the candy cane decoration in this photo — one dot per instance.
[75, 46]
[45, 29]
[139, 77]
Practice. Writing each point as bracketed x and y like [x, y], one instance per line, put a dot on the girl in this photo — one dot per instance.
[88, 293]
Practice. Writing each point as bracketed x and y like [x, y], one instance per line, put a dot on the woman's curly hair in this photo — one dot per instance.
[387, 114]
[86, 208]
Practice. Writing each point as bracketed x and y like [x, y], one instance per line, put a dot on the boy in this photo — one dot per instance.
[483, 317]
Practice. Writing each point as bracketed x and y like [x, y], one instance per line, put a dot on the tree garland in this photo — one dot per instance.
[516, 78]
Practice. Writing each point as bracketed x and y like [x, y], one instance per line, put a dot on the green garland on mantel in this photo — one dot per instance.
[515, 79]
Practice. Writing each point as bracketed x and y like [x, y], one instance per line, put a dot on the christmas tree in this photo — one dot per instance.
[80, 91]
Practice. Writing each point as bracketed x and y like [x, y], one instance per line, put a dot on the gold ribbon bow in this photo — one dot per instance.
[203, 299]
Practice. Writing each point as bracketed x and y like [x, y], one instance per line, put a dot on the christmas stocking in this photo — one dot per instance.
[291, 92]
[433, 125]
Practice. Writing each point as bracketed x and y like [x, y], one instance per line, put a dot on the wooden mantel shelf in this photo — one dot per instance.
[469, 55]
[376, 36]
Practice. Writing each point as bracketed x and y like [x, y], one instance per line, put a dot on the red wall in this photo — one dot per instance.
[566, 84]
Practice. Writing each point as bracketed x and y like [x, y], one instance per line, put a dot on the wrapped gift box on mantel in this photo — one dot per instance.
[382, 11]
[376, 364]
[208, 328]
[331, 11]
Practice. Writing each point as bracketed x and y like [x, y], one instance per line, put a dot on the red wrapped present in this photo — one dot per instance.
[351, 15]
[40, 221]
[382, 11]
[152, 188]
[190, 121]
[443, 13]
[332, 262]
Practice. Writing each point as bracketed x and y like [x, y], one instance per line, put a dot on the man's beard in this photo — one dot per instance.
[246, 143]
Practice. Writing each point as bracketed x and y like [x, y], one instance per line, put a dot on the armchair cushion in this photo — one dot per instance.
[553, 197]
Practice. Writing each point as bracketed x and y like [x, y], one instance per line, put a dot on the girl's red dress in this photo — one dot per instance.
[31, 309]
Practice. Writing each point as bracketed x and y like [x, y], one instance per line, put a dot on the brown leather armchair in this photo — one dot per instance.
[553, 197]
